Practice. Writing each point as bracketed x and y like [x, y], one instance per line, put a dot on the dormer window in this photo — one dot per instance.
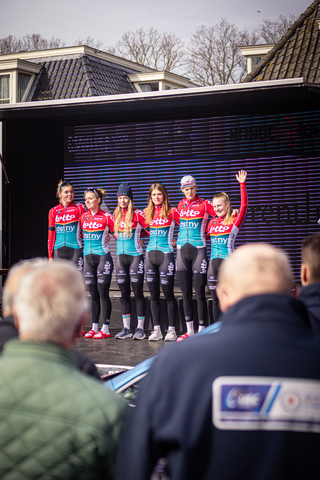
[16, 77]
[254, 54]
[158, 81]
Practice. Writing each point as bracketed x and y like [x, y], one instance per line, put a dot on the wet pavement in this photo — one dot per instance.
[118, 352]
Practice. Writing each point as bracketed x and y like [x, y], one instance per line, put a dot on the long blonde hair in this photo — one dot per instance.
[128, 222]
[166, 207]
[228, 219]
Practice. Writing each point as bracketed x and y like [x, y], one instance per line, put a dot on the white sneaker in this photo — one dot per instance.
[171, 336]
[155, 336]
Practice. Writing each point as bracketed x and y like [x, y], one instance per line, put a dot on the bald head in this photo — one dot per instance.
[253, 269]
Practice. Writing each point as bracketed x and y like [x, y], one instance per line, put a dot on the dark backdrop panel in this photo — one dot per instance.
[34, 162]
[280, 152]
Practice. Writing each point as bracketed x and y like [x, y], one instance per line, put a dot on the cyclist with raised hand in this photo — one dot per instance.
[223, 230]
[191, 253]
[64, 232]
[98, 264]
[159, 260]
[128, 223]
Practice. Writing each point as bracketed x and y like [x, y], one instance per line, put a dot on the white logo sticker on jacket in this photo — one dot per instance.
[266, 403]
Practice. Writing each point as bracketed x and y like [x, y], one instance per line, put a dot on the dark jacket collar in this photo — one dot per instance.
[267, 308]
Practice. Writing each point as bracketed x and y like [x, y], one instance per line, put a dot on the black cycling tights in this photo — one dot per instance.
[131, 267]
[72, 254]
[214, 265]
[97, 275]
[160, 268]
[192, 265]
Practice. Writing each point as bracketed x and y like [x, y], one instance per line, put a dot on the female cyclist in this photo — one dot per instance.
[64, 233]
[159, 261]
[223, 231]
[191, 253]
[129, 260]
[98, 264]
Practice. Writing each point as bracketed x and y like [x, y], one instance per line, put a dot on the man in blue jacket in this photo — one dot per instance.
[310, 278]
[242, 403]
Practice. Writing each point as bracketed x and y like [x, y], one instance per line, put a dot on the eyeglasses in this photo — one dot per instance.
[64, 184]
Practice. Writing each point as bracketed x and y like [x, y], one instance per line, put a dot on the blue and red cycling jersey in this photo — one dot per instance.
[193, 221]
[161, 230]
[223, 237]
[95, 231]
[64, 227]
[130, 245]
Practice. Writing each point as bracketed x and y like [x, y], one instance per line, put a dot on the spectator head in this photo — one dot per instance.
[14, 276]
[310, 260]
[253, 269]
[50, 304]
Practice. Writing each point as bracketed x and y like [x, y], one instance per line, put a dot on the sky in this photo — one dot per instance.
[107, 20]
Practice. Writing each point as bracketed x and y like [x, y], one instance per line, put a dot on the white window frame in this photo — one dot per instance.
[13, 68]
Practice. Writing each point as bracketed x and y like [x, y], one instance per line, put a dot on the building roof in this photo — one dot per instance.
[74, 76]
[297, 54]
[81, 71]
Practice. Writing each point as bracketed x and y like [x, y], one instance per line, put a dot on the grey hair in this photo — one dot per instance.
[8, 294]
[50, 302]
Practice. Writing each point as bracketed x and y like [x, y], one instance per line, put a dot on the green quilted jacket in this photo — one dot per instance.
[55, 422]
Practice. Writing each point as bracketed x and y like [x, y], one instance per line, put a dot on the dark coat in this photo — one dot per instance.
[261, 336]
[310, 296]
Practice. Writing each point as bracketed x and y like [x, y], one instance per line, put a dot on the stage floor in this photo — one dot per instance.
[118, 352]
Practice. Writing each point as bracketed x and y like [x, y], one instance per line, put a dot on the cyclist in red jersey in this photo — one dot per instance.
[128, 223]
[223, 230]
[64, 232]
[159, 260]
[98, 265]
[191, 253]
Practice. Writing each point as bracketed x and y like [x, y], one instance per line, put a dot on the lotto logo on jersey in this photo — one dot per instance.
[64, 218]
[159, 221]
[92, 225]
[220, 229]
[189, 213]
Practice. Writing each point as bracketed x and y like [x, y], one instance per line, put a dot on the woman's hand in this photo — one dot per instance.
[241, 176]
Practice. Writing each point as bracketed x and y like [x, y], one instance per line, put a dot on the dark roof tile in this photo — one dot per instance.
[80, 76]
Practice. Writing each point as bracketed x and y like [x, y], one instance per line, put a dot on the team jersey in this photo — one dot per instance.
[95, 231]
[193, 221]
[223, 236]
[64, 227]
[130, 245]
[161, 230]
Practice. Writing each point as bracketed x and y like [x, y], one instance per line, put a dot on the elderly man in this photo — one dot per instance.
[55, 422]
[7, 327]
[248, 404]
[310, 278]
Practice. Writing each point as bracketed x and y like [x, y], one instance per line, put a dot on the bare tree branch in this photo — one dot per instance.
[90, 42]
[10, 44]
[214, 56]
[270, 31]
[149, 47]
